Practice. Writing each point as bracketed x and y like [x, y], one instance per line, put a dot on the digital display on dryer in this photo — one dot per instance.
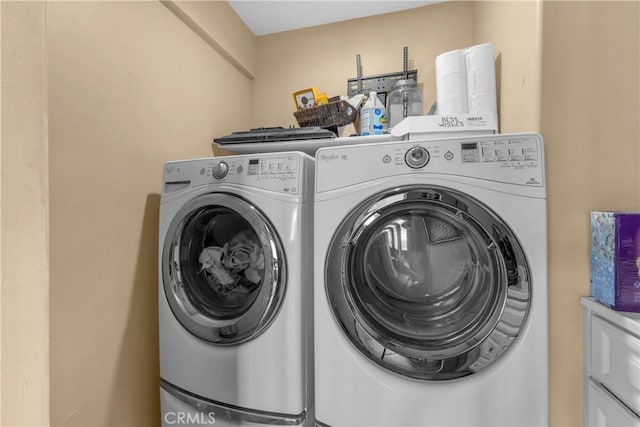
[254, 167]
[470, 152]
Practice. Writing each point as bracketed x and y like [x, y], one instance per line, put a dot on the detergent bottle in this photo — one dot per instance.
[373, 116]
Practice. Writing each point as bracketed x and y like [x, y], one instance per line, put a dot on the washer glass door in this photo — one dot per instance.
[223, 269]
[428, 282]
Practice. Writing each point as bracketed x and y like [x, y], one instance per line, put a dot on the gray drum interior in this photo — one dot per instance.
[223, 269]
[427, 283]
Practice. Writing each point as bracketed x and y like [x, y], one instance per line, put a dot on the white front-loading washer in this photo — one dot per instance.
[431, 283]
[235, 290]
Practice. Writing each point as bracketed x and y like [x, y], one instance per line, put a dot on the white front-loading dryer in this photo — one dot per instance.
[235, 290]
[431, 283]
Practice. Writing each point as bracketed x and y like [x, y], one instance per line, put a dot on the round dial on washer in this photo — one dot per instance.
[416, 157]
[220, 170]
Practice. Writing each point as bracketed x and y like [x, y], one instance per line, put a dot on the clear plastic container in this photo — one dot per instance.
[405, 100]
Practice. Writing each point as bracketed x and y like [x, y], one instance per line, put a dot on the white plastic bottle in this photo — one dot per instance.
[373, 116]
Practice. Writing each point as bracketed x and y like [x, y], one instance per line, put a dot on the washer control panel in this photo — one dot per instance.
[276, 172]
[276, 167]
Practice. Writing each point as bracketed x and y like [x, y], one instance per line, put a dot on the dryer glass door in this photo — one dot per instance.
[428, 283]
[223, 269]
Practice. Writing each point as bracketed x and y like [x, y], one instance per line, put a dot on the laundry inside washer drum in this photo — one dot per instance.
[230, 259]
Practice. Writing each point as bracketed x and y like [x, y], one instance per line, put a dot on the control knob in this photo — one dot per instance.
[416, 157]
[220, 170]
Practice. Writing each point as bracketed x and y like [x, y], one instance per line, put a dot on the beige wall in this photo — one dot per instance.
[24, 203]
[325, 56]
[590, 114]
[131, 87]
[514, 28]
[219, 25]
[294, 60]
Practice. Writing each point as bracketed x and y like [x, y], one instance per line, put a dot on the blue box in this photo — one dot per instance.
[615, 259]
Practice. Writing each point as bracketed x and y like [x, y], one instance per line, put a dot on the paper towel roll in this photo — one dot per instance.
[451, 83]
[481, 79]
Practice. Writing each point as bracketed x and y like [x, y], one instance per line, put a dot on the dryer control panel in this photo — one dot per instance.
[279, 172]
[509, 152]
[508, 158]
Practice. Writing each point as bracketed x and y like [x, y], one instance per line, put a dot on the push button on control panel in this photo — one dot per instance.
[416, 157]
[220, 170]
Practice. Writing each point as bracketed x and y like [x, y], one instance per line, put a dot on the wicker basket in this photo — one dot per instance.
[333, 114]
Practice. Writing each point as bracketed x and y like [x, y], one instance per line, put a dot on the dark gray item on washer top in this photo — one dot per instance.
[275, 134]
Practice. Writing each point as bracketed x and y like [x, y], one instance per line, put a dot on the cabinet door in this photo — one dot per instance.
[605, 410]
[615, 359]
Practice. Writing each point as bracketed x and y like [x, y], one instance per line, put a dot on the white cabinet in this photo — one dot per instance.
[611, 366]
